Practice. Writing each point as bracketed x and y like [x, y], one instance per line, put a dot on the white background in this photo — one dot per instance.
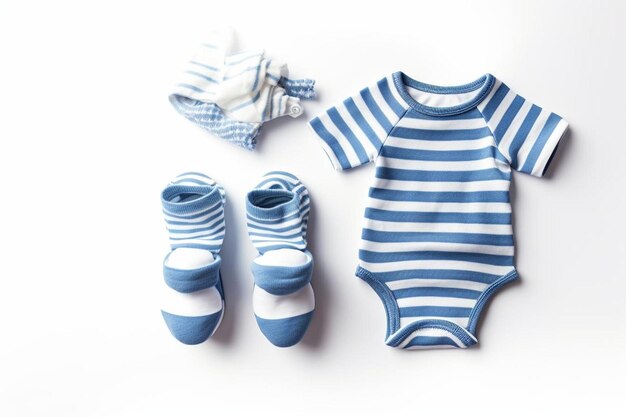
[89, 140]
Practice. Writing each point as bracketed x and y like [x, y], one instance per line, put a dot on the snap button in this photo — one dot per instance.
[295, 109]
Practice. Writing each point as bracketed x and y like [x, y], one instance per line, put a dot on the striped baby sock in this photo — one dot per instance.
[283, 300]
[193, 302]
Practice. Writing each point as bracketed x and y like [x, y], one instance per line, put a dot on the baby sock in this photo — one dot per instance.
[193, 302]
[283, 300]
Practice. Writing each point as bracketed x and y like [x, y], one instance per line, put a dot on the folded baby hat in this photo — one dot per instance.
[231, 94]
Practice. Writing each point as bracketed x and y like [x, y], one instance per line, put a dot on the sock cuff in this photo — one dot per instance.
[193, 207]
[174, 198]
[267, 205]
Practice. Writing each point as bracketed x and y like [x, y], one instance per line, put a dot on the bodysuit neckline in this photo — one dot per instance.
[482, 85]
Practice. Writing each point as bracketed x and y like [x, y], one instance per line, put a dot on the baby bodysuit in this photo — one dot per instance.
[437, 240]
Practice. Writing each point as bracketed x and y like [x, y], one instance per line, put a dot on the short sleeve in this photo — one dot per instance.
[527, 135]
[353, 132]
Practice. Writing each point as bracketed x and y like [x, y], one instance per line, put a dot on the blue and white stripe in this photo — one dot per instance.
[193, 297]
[283, 299]
[526, 133]
[201, 223]
[354, 131]
[437, 239]
[232, 93]
[278, 213]
[247, 86]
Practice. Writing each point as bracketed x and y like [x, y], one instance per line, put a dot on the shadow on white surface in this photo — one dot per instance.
[314, 336]
[231, 282]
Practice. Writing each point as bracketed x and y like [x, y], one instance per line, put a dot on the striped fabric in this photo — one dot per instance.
[283, 299]
[353, 132]
[247, 86]
[200, 224]
[193, 296]
[526, 134]
[278, 212]
[437, 239]
[232, 93]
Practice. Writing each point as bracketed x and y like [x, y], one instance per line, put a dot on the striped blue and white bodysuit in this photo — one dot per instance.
[437, 239]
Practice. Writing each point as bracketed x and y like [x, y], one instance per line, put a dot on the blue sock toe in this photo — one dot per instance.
[192, 330]
[285, 332]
